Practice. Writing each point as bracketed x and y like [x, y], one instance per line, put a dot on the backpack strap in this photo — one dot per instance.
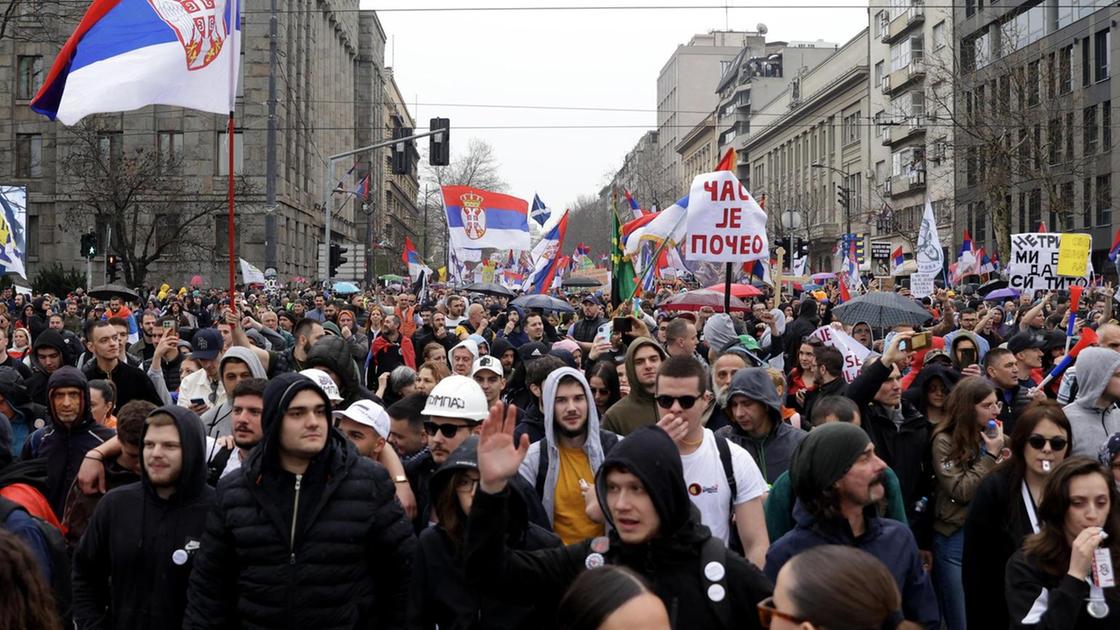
[713, 577]
[728, 468]
[217, 465]
[542, 469]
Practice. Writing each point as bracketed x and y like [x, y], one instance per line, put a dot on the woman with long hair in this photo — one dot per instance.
[836, 587]
[21, 343]
[964, 450]
[429, 374]
[603, 379]
[611, 598]
[26, 601]
[440, 595]
[1004, 510]
[1050, 582]
[435, 352]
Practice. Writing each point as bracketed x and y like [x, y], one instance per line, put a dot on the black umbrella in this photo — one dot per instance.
[883, 309]
[991, 285]
[489, 288]
[109, 291]
[543, 302]
[581, 281]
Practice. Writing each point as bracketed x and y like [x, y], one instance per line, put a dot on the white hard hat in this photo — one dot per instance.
[457, 396]
[368, 413]
[325, 383]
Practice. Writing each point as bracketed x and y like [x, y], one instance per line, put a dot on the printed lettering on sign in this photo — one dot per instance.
[854, 352]
[725, 224]
[1034, 263]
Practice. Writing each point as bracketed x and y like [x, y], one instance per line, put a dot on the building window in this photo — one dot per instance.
[1085, 67]
[981, 224]
[880, 24]
[1104, 199]
[850, 131]
[1087, 200]
[878, 74]
[1089, 122]
[1106, 125]
[30, 70]
[1101, 54]
[1054, 140]
[223, 153]
[29, 155]
[1068, 200]
[1069, 136]
[1065, 70]
[170, 147]
[939, 35]
[1033, 80]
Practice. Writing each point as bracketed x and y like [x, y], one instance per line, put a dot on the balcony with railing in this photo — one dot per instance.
[904, 129]
[903, 77]
[911, 181]
[895, 28]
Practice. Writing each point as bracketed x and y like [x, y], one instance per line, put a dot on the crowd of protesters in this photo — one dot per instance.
[296, 458]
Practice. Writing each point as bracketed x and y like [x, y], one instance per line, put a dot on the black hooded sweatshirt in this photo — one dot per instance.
[132, 537]
[333, 353]
[328, 549]
[670, 562]
[64, 447]
[808, 320]
[37, 383]
[440, 594]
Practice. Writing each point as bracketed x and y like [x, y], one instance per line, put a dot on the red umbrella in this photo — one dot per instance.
[701, 298]
[737, 290]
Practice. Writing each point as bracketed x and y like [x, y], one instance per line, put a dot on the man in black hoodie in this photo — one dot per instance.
[808, 320]
[306, 534]
[654, 532]
[48, 353]
[71, 433]
[143, 536]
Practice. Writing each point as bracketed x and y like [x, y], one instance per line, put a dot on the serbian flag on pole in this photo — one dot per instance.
[547, 259]
[126, 54]
[1114, 251]
[411, 259]
[635, 211]
[897, 258]
[477, 219]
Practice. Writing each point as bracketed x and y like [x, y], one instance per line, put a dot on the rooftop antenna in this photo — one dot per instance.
[726, 17]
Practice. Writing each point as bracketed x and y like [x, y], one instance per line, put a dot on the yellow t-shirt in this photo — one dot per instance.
[569, 519]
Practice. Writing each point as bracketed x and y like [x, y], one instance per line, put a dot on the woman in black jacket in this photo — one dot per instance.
[439, 593]
[1050, 581]
[1003, 510]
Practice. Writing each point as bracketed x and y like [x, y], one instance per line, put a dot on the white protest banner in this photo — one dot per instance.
[250, 274]
[725, 224]
[854, 352]
[921, 284]
[928, 253]
[1034, 263]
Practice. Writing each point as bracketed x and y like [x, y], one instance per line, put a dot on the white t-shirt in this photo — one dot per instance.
[707, 483]
[212, 448]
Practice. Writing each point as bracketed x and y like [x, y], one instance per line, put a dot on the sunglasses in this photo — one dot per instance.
[600, 390]
[1038, 442]
[448, 430]
[666, 401]
[767, 613]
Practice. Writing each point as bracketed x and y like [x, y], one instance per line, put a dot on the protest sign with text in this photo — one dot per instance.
[1034, 263]
[854, 352]
[725, 224]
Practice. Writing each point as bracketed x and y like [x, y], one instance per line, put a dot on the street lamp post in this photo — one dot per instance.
[847, 200]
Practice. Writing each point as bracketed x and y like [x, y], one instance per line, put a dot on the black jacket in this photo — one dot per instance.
[808, 320]
[905, 448]
[64, 447]
[440, 594]
[530, 423]
[671, 562]
[1063, 608]
[836, 387]
[328, 549]
[37, 383]
[132, 383]
[130, 541]
[996, 525]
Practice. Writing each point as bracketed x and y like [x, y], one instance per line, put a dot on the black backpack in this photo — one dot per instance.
[729, 472]
[60, 557]
[217, 465]
[607, 440]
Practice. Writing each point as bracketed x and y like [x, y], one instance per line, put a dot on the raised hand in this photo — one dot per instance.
[498, 456]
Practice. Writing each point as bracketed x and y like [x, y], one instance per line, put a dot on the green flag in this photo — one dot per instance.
[622, 270]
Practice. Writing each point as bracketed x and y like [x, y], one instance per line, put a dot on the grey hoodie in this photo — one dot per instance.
[592, 447]
[773, 451]
[1091, 424]
[218, 421]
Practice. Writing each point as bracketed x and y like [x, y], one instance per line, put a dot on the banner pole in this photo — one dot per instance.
[230, 224]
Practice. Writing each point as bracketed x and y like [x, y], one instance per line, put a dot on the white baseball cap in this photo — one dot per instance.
[457, 396]
[325, 383]
[368, 413]
[490, 363]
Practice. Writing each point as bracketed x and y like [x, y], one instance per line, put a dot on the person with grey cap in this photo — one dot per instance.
[755, 411]
[584, 330]
[839, 481]
[1027, 348]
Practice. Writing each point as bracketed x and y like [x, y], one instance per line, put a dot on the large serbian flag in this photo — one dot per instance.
[126, 54]
[477, 219]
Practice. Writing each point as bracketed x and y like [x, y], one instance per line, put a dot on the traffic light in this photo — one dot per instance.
[439, 145]
[336, 258]
[89, 245]
[402, 151]
[843, 196]
[111, 265]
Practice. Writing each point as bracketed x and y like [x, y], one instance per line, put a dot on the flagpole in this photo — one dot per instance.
[233, 54]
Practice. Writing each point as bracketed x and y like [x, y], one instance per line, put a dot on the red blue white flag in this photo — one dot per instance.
[477, 219]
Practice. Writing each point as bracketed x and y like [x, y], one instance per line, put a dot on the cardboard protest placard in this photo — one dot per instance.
[1073, 255]
[854, 352]
[725, 224]
[922, 284]
[1034, 263]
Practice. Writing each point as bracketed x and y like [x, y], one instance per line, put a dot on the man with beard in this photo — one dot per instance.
[838, 479]
[723, 369]
[307, 331]
[391, 349]
[456, 305]
[143, 536]
[247, 405]
[434, 331]
[571, 452]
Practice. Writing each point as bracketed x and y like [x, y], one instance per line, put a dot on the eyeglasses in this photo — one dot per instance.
[767, 612]
[1038, 442]
[666, 401]
[466, 485]
[448, 430]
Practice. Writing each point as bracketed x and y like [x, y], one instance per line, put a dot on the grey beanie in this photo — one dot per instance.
[824, 456]
[719, 331]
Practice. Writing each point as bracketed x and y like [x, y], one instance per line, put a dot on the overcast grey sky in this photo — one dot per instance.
[571, 58]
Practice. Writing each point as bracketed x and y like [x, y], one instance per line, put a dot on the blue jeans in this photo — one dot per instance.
[947, 552]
